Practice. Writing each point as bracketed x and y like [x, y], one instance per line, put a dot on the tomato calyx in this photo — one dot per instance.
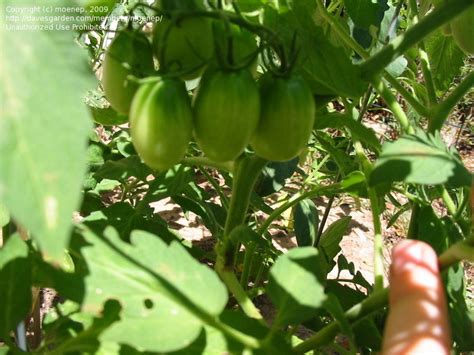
[236, 48]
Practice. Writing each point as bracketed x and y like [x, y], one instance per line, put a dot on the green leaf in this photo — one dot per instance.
[332, 236]
[420, 158]
[43, 130]
[87, 340]
[274, 175]
[366, 13]
[446, 59]
[295, 285]
[431, 229]
[334, 307]
[15, 284]
[4, 216]
[357, 129]
[461, 318]
[123, 169]
[327, 68]
[166, 295]
[306, 222]
[102, 112]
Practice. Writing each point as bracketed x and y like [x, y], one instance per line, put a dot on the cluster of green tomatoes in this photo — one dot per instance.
[228, 111]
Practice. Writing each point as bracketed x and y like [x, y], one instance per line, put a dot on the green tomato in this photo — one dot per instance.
[244, 44]
[188, 45]
[129, 54]
[161, 122]
[226, 109]
[462, 29]
[286, 120]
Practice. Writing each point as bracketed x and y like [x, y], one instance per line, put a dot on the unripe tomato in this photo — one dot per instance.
[244, 44]
[129, 53]
[161, 122]
[226, 109]
[462, 28]
[286, 120]
[187, 46]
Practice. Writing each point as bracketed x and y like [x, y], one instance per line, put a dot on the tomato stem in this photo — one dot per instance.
[247, 169]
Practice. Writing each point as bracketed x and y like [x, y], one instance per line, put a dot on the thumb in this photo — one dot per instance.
[417, 322]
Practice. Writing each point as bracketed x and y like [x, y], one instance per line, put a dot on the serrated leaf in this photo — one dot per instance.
[295, 285]
[44, 128]
[327, 68]
[15, 284]
[419, 158]
[166, 295]
[306, 222]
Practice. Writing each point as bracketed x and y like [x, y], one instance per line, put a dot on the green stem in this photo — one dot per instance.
[379, 299]
[324, 220]
[247, 170]
[318, 191]
[203, 161]
[463, 204]
[441, 15]
[425, 62]
[374, 204]
[393, 104]
[413, 225]
[217, 188]
[337, 27]
[229, 278]
[248, 259]
[440, 112]
[448, 201]
[258, 278]
[412, 100]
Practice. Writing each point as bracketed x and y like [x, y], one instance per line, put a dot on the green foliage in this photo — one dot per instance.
[347, 91]
[44, 190]
[15, 284]
[420, 159]
[295, 285]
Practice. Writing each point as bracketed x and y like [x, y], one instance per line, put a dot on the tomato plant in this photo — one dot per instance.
[250, 210]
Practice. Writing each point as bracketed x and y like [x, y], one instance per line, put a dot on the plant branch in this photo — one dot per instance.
[247, 170]
[440, 112]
